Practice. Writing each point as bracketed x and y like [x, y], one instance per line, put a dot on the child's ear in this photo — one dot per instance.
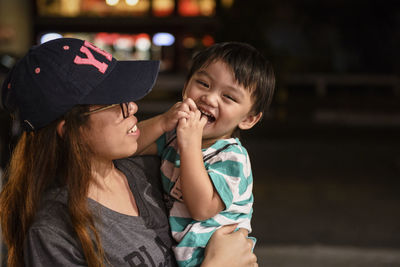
[250, 121]
[60, 128]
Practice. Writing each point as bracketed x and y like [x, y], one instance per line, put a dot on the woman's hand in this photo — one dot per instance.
[228, 248]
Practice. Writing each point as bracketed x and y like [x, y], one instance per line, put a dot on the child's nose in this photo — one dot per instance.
[210, 99]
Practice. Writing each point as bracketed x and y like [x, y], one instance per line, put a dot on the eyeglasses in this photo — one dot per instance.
[126, 108]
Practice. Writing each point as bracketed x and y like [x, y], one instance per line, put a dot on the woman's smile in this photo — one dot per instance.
[134, 130]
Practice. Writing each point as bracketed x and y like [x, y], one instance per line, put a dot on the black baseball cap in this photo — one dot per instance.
[55, 76]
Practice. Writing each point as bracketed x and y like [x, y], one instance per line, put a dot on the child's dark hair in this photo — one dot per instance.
[249, 66]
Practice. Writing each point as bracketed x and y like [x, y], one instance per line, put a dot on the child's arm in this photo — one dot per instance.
[198, 191]
[153, 128]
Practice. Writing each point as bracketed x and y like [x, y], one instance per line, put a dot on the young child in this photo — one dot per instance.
[205, 170]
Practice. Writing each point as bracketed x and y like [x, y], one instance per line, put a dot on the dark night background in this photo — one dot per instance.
[333, 36]
[326, 158]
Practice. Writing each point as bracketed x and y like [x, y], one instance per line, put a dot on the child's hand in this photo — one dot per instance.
[190, 128]
[171, 117]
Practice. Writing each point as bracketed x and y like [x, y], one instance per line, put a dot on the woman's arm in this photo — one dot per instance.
[228, 248]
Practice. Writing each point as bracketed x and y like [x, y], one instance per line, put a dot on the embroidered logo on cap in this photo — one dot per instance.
[90, 60]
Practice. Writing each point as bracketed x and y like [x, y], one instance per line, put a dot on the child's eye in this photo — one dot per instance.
[204, 84]
[230, 98]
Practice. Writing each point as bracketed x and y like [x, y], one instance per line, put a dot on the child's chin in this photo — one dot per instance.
[207, 133]
[206, 128]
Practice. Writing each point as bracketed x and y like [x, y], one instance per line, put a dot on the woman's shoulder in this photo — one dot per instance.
[52, 220]
[51, 239]
[53, 211]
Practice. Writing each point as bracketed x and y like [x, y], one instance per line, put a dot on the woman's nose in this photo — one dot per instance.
[132, 108]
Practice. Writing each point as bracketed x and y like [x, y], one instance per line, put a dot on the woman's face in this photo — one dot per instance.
[111, 136]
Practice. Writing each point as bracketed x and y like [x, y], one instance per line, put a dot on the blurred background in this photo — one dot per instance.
[326, 157]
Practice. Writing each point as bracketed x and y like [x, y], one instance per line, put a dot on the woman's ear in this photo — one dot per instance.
[249, 121]
[60, 128]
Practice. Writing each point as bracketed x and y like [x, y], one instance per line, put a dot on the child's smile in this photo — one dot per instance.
[218, 96]
[210, 116]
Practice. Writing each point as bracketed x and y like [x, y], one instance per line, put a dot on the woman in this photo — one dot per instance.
[73, 197]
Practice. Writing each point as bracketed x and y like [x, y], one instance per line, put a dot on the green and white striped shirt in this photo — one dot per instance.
[228, 166]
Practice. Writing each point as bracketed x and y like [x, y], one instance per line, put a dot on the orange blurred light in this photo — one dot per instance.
[189, 42]
[207, 7]
[188, 8]
[207, 40]
[162, 8]
[227, 3]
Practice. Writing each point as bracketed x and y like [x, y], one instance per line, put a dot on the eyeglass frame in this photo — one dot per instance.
[111, 106]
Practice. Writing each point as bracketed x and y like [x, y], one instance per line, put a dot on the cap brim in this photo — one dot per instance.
[128, 81]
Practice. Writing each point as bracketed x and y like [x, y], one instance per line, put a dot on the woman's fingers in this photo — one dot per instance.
[229, 248]
[244, 232]
[227, 229]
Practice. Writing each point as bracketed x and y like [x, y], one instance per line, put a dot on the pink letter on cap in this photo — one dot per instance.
[90, 60]
[98, 50]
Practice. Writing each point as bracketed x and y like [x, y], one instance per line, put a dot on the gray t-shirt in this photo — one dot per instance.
[127, 240]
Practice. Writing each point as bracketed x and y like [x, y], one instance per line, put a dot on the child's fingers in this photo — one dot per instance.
[181, 122]
[182, 114]
[203, 120]
[197, 114]
[185, 107]
[177, 105]
[191, 104]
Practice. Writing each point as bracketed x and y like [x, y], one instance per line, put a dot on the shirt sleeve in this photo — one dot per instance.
[161, 142]
[231, 175]
[47, 247]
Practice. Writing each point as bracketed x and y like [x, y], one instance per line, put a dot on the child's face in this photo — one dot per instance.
[219, 97]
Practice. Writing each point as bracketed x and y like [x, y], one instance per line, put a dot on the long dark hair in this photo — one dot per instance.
[42, 159]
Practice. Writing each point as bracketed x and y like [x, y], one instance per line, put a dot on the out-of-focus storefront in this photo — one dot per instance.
[166, 30]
